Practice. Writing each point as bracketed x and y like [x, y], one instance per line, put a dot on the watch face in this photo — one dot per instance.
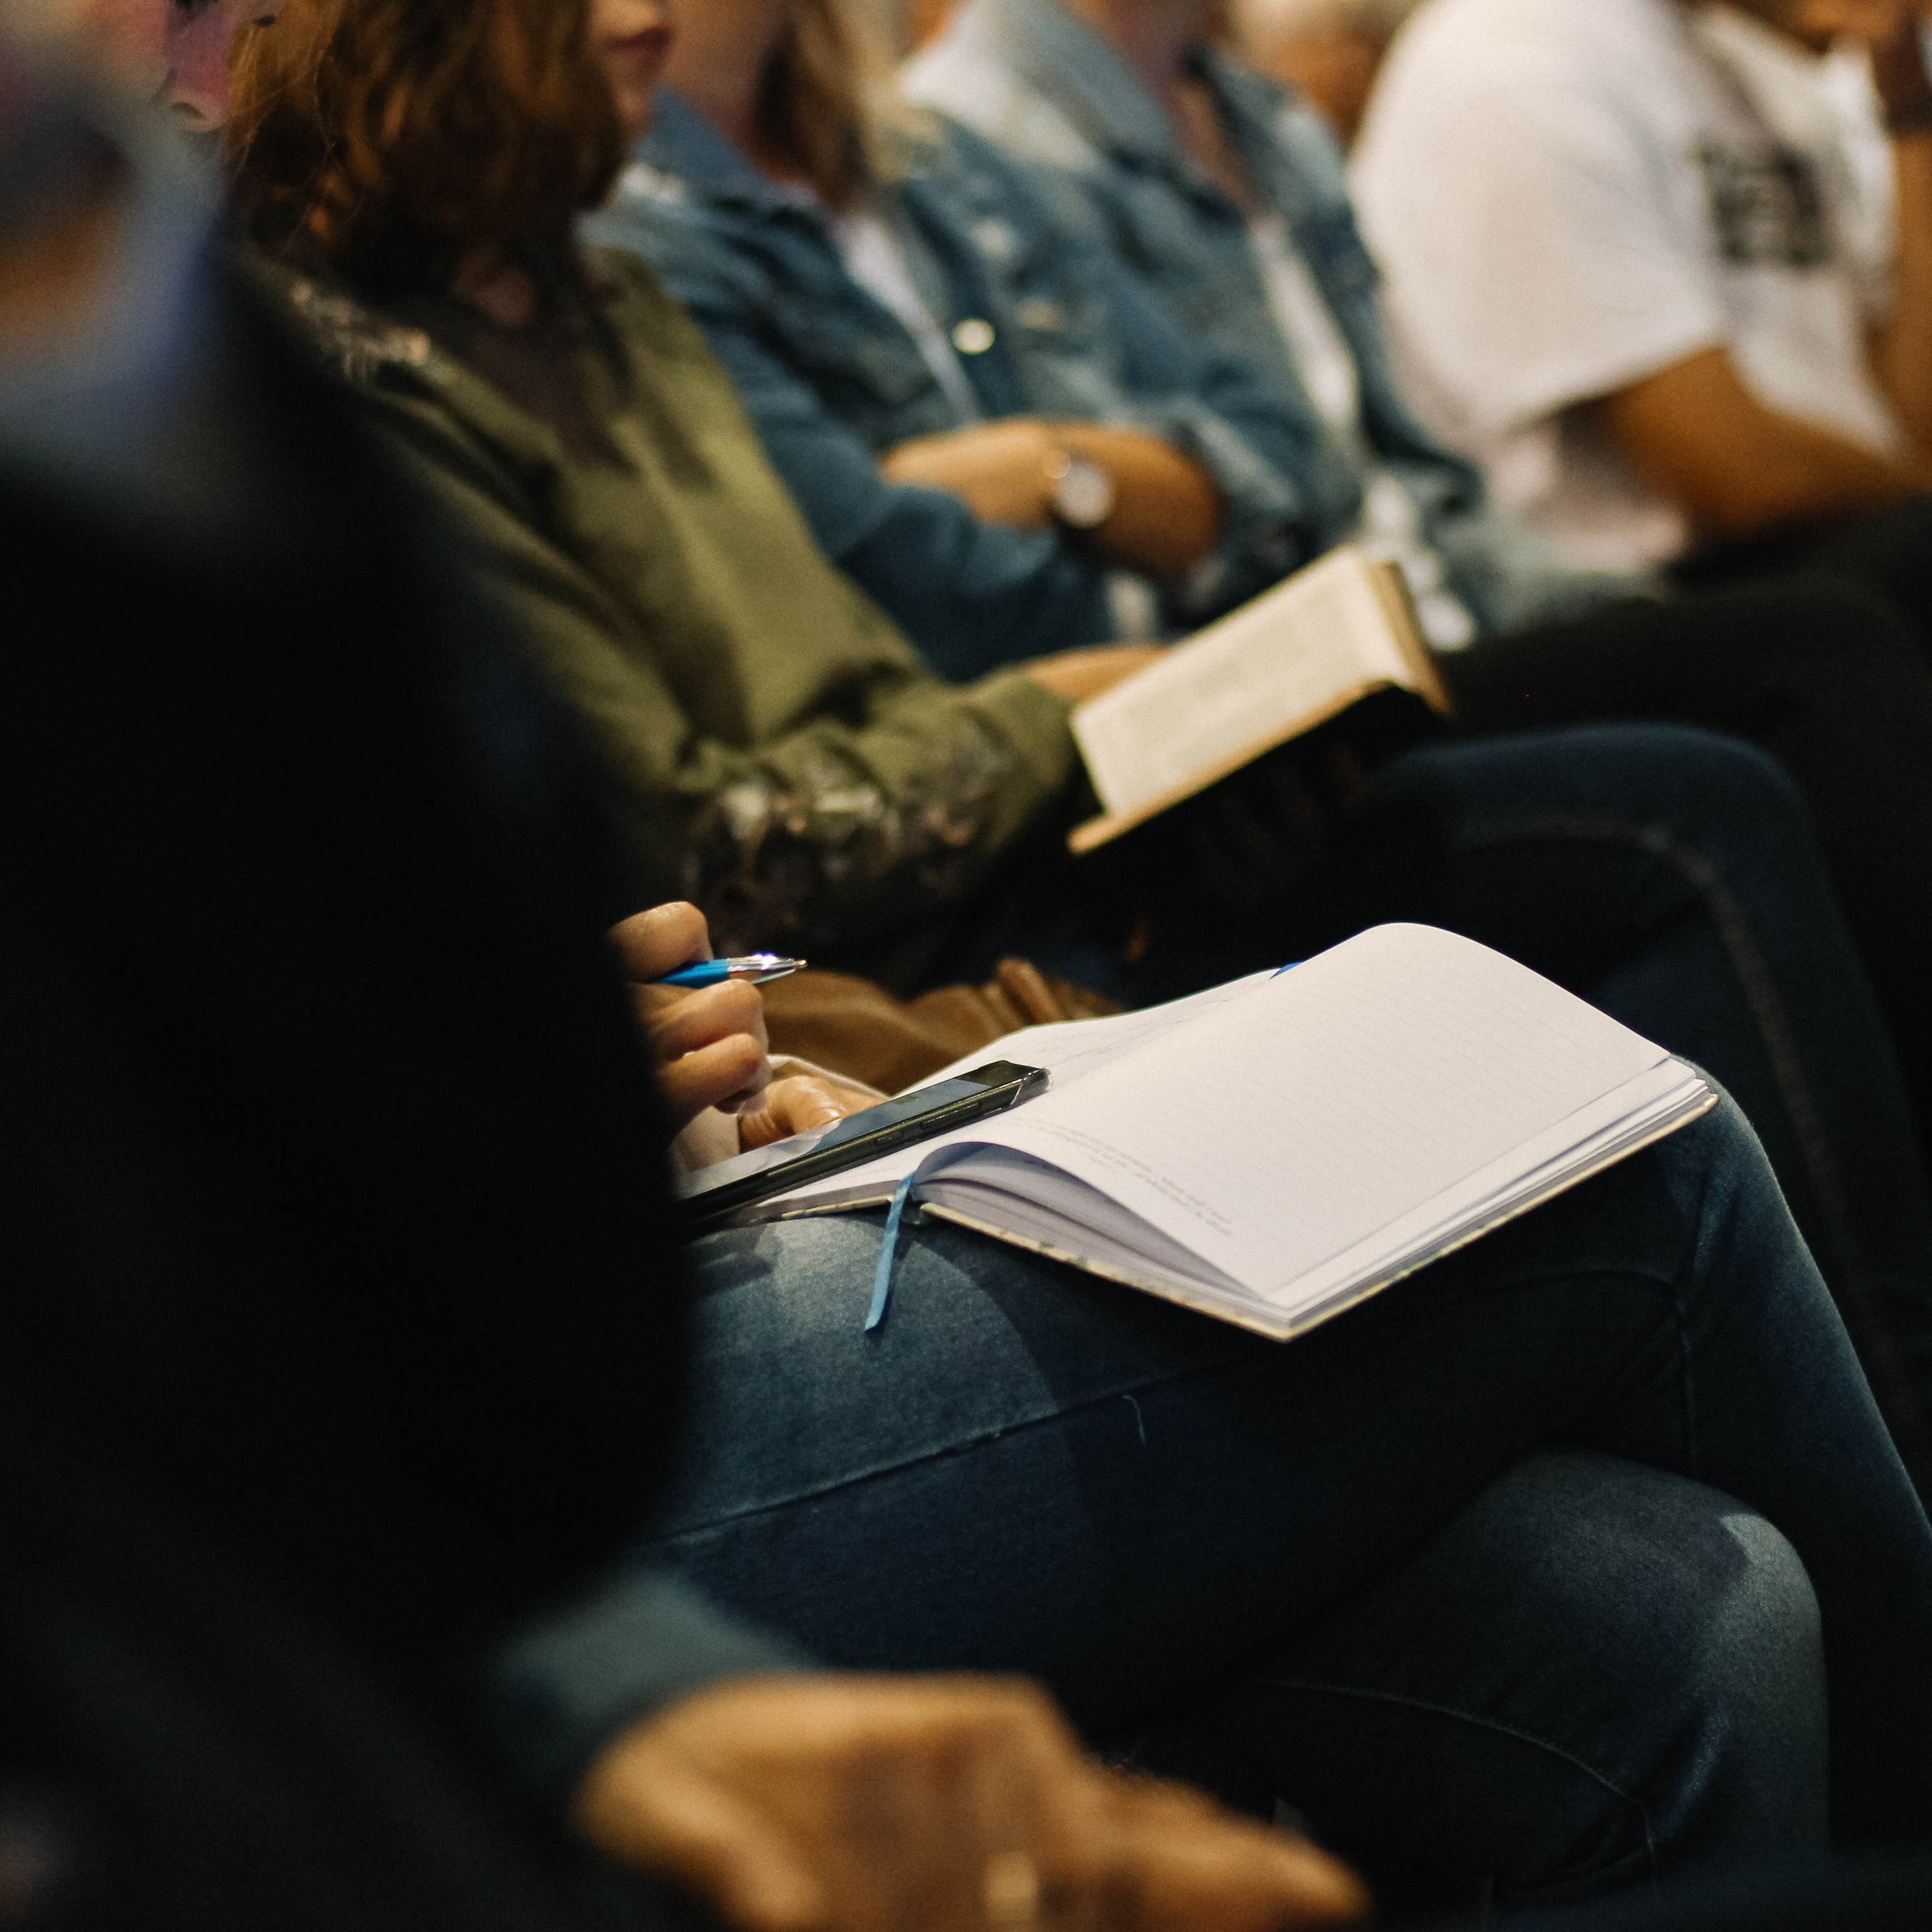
[1083, 494]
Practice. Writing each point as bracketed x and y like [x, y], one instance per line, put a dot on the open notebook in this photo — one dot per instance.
[1274, 1151]
[1286, 661]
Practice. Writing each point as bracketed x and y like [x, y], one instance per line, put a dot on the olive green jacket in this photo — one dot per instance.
[774, 748]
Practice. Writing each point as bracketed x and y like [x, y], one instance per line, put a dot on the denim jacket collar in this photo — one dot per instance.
[684, 164]
[688, 154]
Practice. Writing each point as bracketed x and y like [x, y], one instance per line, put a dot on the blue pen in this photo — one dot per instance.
[754, 968]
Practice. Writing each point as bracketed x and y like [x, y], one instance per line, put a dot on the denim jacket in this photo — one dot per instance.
[1032, 75]
[833, 379]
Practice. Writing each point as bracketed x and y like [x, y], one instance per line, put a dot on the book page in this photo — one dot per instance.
[1274, 1133]
[1068, 1049]
[1223, 693]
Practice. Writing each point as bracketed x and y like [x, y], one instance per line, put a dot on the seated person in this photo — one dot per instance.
[1231, 201]
[1328, 51]
[1627, 255]
[325, 1097]
[969, 1484]
[341, 1327]
[771, 748]
[1025, 453]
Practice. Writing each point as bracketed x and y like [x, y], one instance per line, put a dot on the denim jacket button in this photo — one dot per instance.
[974, 336]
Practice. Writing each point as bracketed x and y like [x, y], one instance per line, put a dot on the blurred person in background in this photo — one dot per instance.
[1229, 197]
[1328, 51]
[1225, 196]
[1628, 260]
[990, 428]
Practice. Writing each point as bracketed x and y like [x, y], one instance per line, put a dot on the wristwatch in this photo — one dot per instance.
[1080, 492]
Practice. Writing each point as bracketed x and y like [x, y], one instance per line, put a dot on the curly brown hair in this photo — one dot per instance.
[388, 142]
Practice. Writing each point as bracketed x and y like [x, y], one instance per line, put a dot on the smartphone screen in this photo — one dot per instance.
[716, 1191]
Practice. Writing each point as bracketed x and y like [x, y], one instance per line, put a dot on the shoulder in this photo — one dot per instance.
[967, 167]
[1278, 121]
[969, 82]
[1530, 77]
[985, 180]
[410, 388]
[1459, 51]
[717, 258]
[352, 338]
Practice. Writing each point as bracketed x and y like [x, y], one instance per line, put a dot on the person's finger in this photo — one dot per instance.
[1016, 1837]
[794, 1105]
[1040, 1856]
[717, 1013]
[721, 1075]
[651, 944]
[1195, 1866]
[741, 1862]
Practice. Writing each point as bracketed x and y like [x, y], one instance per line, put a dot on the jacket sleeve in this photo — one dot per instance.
[564, 1685]
[971, 595]
[894, 796]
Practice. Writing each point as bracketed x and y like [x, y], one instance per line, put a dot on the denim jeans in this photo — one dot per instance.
[1582, 1670]
[1667, 875]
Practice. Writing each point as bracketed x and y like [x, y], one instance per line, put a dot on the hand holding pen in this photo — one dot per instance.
[704, 1020]
[708, 1040]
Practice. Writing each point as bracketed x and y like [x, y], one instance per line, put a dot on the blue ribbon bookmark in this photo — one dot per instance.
[882, 1282]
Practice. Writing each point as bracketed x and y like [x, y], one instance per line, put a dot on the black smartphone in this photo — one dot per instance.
[714, 1192]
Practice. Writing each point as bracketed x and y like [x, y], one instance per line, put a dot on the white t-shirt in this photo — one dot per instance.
[1569, 195]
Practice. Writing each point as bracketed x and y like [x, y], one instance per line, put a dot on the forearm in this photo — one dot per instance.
[973, 596]
[1702, 441]
[1904, 349]
[1790, 471]
[840, 836]
[1167, 512]
[563, 1687]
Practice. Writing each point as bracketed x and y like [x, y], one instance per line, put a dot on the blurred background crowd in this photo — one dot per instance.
[503, 499]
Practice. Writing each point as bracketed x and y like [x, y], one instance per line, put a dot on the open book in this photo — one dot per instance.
[1273, 1151]
[1288, 661]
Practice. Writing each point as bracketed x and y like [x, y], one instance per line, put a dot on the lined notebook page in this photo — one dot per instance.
[1218, 694]
[1275, 1131]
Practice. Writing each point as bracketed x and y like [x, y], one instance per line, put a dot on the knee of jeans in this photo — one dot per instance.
[1710, 1610]
[1730, 778]
[1744, 1247]
[1700, 1585]
[1718, 1151]
[1752, 1635]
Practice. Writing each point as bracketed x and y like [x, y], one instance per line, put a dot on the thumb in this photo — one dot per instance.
[794, 1105]
[747, 1868]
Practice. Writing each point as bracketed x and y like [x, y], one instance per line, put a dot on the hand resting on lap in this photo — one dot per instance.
[848, 1804]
